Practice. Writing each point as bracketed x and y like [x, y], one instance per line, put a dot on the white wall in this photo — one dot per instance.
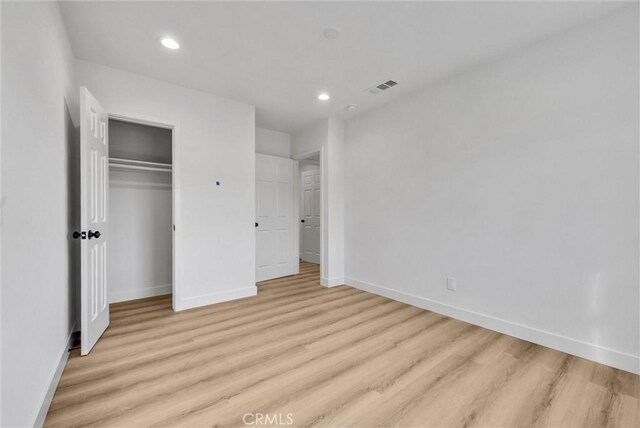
[1, 217]
[215, 237]
[139, 142]
[140, 222]
[310, 138]
[39, 100]
[333, 169]
[328, 137]
[519, 179]
[139, 235]
[273, 143]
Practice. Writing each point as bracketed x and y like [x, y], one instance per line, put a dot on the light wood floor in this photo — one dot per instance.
[328, 357]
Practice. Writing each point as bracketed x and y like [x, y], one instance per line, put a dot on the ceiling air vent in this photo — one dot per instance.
[382, 87]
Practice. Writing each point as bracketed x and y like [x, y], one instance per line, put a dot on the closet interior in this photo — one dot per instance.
[141, 211]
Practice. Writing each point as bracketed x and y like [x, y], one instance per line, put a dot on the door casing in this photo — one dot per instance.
[321, 152]
[310, 229]
[174, 126]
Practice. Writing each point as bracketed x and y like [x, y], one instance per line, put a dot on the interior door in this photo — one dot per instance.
[275, 222]
[310, 222]
[94, 193]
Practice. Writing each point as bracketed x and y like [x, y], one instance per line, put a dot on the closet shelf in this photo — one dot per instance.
[139, 165]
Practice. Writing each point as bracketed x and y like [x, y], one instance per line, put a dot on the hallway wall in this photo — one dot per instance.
[39, 119]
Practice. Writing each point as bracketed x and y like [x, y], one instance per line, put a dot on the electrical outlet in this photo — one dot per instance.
[451, 283]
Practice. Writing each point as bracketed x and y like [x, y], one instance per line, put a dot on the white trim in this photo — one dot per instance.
[139, 293]
[210, 299]
[324, 210]
[55, 380]
[1, 223]
[589, 351]
[296, 217]
[176, 160]
[332, 282]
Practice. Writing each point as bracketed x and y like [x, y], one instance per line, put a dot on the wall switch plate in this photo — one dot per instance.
[451, 283]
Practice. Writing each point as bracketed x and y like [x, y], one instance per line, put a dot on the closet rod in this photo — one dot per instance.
[137, 167]
[139, 162]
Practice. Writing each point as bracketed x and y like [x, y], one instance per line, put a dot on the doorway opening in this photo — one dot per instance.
[288, 221]
[140, 210]
[310, 210]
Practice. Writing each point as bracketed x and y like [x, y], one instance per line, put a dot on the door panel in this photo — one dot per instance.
[266, 249]
[94, 194]
[275, 256]
[310, 228]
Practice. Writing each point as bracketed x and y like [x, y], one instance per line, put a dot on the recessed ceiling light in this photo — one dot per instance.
[169, 43]
[351, 107]
[332, 33]
[323, 96]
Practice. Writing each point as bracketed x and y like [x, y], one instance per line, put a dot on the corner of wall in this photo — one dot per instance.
[55, 380]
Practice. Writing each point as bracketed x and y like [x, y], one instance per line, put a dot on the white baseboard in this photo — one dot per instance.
[210, 299]
[139, 293]
[331, 282]
[55, 380]
[589, 351]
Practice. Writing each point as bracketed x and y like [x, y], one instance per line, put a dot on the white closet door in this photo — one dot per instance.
[94, 191]
[275, 224]
[310, 222]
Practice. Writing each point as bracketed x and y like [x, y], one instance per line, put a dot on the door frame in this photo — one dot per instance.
[301, 202]
[174, 126]
[323, 217]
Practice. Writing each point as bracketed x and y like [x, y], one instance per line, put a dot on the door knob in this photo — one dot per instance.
[78, 235]
[256, 224]
[95, 234]
[302, 221]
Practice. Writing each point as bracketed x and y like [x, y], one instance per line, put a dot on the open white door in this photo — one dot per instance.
[310, 222]
[94, 193]
[276, 255]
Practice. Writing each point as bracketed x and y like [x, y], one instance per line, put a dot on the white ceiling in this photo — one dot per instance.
[274, 55]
